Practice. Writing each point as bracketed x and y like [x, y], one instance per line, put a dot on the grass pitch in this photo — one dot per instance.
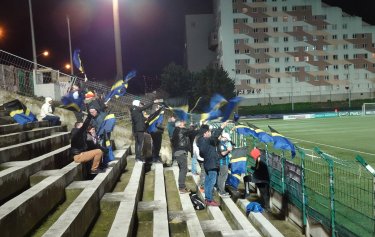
[342, 137]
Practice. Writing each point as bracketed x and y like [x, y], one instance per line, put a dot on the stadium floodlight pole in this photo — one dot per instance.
[33, 39]
[116, 26]
[70, 46]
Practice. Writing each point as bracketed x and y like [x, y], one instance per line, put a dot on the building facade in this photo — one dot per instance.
[288, 51]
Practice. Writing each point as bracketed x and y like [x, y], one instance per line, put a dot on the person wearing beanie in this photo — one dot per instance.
[139, 126]
[46, 113]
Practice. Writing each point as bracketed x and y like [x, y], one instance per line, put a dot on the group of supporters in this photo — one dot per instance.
[209, 147]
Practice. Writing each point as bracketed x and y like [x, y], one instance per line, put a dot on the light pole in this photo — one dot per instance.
[348, 87]
[70, 46]
[33, 38]
[116, 26]
[292, 68]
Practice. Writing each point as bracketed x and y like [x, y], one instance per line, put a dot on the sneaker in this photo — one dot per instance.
[184, 190]
[224, 195]
[212, 203]
[140, 161]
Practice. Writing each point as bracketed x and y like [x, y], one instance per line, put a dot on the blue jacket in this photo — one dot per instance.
[208, 150]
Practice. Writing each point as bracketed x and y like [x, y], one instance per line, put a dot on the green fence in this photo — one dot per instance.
[337, 193]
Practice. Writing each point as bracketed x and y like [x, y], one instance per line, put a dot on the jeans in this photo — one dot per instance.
[139, 138]
[222, 177]
[265, 193]
[194, 162]
[54, 120]
[209, 183]
[182, 165]
[202, 176]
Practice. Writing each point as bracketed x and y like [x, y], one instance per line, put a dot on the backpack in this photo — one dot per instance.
[197, 202]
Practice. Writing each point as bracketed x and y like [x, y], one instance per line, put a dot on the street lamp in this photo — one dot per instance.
[67, 66]
[116, 26]
[348, 86]
[292, 69]
[45, 53]
[33, 38]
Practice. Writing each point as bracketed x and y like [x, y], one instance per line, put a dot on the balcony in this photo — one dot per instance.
[213, 41]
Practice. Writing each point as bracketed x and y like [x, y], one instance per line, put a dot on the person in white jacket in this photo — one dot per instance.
[46, 113]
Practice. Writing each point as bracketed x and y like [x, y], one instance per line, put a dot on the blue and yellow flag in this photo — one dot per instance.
[261, 135]
[19, 112]
[281, 142]
[217, 101]
[108, 155]
[245, 130]
[230, 107]
[181, 112]
[233, 179]
[77, 60]
[71, 103]
[107, 125]
[238, 161]
[155, 120]
[119, 88]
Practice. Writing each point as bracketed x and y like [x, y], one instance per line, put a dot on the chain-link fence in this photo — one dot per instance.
[337, 193]
[26, 78]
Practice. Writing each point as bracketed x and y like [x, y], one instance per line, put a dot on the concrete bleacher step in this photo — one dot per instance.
[34, 148]
[24, 136]
[6, 120]
[21, 214]
[15, 127]
[80, 215]
[15, 176]
[4, 113]
[219, 223]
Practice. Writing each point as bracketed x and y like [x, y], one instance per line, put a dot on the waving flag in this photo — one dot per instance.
[180, 112]
[77, 60]
[261, 135]
[230, 107]
[216, 102]
[120, 86]
[210, 116]
[72, 102]
[281, 142]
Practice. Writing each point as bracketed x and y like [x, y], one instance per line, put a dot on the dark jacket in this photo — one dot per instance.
[138, 120]
[181, 140]
[98, 120]
[208, 150]
[79, 137]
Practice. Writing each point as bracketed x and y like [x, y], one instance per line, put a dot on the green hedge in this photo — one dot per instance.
[302, 107]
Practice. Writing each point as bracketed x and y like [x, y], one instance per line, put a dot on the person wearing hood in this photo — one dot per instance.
[46, 113]
[139, 126]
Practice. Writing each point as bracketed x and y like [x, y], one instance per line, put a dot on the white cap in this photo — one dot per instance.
[48, 99]
[136, 103]
[226, 135]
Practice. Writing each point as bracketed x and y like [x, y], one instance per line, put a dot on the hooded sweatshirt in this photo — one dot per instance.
[46, 108]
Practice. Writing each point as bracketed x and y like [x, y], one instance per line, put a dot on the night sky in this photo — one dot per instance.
[152, 31]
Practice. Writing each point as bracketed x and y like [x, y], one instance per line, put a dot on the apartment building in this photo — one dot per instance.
[288, 51]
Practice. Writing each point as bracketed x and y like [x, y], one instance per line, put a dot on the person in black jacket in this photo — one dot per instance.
[207, 144]
[139, 126]
[79, 148]
[181, 147]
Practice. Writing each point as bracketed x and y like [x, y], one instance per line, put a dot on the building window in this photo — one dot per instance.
[286, 39]
[276, 50]
[266, 60]
[237, 61]
[255, 30]
[255, 20]
[236, 51]
[284, 8]
[269, 80]
[346, 56]
[257, 71]
[274, 19]
[294, 8]
[315, 38]
[247, 50]
[345, 46]
[334, 27]
[266, 50]
[285, 18]
[256, 40]
[276, 39]
[277, 69]
[286, 49]
[247, 61]
[325, 47]
[236, 41]
[334, 36]
[336, 67]
[238, 71]
[306, 48]
[296, 59]
[275, 29]
[257, 60]
[335, 77]
[265, 30]
[286, 59]
[344, 36]
[277, 60]
[335, 57]
[265, 39]
[316, 58]
[254, 9]
[257, 81]
[265, 19]
[244, 20]
[307, 78]
[257, 51]
[306, 58]
[235, 10]
[326, 77]
[285, 29]
[248, 71]
[278, 80]
[344, 26]
[274, 9]
[235, 20]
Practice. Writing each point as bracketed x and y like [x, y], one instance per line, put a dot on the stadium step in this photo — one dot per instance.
[14, 176]
[15, 127]
[34, 148]
[20, 137]
[6, 120]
